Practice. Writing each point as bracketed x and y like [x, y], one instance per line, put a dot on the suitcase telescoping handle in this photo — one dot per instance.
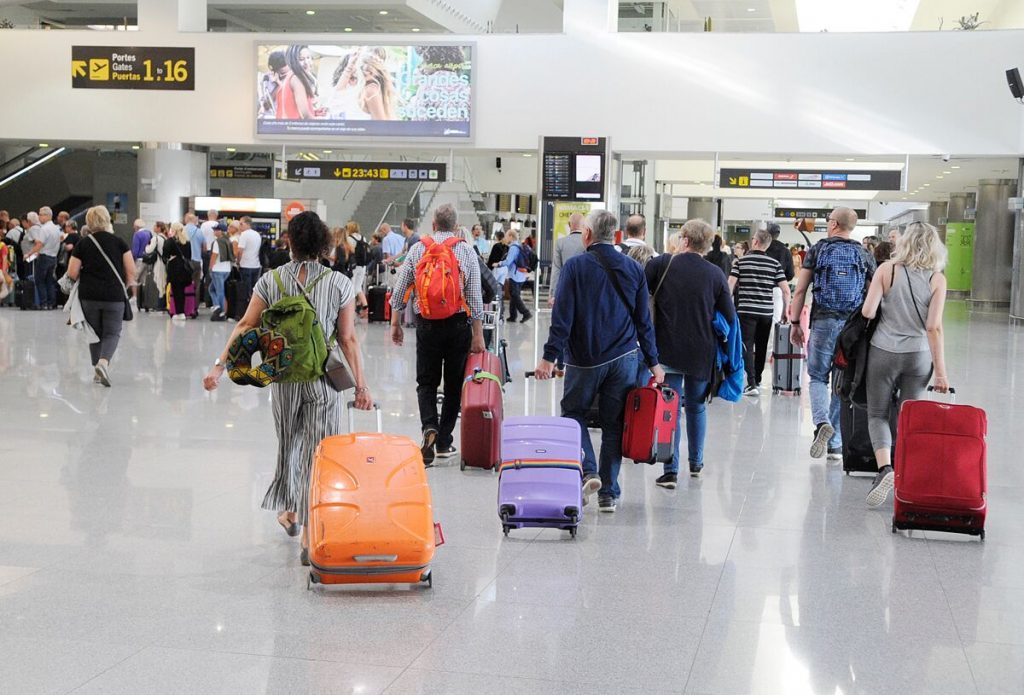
[951, 392]
[351, 407]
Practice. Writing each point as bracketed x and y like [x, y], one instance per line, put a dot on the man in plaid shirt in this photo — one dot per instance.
[441, 344]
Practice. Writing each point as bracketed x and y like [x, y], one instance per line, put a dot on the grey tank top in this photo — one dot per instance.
[902, 327]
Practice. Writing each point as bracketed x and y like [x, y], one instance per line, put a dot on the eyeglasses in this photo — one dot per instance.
[830, 219]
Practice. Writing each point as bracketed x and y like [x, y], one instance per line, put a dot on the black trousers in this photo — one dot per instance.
[441, 350]
[515, 303]
[757, 331]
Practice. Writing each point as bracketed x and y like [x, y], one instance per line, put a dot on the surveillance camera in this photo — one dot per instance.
[946, 157]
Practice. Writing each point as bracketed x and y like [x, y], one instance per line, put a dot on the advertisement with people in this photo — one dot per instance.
[349, 90]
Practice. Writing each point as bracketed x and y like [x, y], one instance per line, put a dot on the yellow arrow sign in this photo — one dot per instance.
[732, 181]
[337, 173]
[78, 68]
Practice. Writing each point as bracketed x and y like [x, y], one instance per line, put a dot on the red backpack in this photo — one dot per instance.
[439, 280]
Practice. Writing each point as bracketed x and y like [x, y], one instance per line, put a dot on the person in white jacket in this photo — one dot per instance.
[159, 269]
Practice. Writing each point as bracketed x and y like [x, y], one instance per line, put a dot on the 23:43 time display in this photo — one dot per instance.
[171, 71]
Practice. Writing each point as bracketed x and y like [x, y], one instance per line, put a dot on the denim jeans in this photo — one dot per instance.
[217, 282]
[249, 276]
[820, 348]
[46, 285]
[611, 382]
[691, 404]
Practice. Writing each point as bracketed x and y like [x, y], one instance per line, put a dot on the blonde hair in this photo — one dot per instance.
[178, 232]
[97, 219]
[641, 253]
[920, 247]
[674, 241]
[699, 233]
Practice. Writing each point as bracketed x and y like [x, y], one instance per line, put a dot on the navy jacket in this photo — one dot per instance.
[590, 324]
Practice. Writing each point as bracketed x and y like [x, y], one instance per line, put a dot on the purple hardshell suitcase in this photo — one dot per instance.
[541, 474]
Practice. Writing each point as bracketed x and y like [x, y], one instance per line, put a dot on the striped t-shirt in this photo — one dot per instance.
[757, 274]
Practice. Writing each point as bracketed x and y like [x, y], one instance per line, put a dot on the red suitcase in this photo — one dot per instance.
[651, 413]
[941, 479]
[482, 411]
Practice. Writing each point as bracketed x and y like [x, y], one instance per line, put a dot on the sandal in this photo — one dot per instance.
[290, 527]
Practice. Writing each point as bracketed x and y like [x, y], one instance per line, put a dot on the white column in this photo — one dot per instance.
[591, 16]
[168, 173]
[192, 15]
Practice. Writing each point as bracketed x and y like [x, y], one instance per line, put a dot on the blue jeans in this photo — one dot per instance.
[217, 281]
[249, 276]
[691, 401]
[611, 383]
[46, 285]
[820, 348]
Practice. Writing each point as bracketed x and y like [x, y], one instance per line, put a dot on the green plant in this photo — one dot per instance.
[969, 23]
[6, 23]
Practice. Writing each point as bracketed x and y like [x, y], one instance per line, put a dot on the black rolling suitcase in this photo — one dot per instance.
[858, 454]
[787, 361]
[25, 294]
[377, 297]
[232, 291]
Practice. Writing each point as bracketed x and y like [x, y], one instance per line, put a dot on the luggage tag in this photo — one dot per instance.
[438, 534]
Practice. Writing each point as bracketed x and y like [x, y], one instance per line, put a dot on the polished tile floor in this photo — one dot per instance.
[134, 557]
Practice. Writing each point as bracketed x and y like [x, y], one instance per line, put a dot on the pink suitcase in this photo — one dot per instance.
[191, 306]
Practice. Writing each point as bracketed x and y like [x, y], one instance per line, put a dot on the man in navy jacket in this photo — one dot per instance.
[601, 328]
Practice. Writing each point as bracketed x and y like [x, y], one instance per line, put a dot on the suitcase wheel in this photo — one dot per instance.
[893, 520]
[981, 535]
[797, 392]
[462, 465]
[775, 392]
[428, 577]
[572, 532]
[505, 528]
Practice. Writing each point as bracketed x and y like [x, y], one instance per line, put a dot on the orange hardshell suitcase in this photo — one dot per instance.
[370, 514]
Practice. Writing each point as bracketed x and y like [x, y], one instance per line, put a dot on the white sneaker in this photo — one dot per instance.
[178, 317]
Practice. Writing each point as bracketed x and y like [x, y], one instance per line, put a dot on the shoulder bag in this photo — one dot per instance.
[128, 316]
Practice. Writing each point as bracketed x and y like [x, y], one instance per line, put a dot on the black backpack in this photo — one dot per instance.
[527, 258]
[360, 256]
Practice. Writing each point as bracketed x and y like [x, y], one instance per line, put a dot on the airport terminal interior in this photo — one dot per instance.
[135, 556]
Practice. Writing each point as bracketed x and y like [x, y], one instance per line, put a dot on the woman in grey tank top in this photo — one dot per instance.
[907, 348]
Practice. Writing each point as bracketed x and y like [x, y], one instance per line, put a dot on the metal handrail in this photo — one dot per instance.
[17, 157]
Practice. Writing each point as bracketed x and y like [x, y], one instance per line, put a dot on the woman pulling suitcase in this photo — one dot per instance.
[304, 412]
[907, 348]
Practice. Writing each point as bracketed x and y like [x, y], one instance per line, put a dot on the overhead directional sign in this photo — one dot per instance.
[239, 171]
[368, 171]
[812, 213]
[817, 179]
[122, 67]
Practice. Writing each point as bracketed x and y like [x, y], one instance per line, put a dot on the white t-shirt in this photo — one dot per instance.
[223, 265]
[208, 236]
[249, 243]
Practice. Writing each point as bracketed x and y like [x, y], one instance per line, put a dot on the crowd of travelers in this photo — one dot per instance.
[621, 315]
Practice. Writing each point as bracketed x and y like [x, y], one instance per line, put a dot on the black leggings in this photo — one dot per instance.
[757, 330]
[178, 294]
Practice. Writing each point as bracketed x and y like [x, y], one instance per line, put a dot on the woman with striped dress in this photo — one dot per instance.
[304, 413]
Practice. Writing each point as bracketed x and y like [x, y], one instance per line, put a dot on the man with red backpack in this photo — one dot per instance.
[441, 276]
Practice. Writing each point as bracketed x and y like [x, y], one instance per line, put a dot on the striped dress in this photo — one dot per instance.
[304, 413]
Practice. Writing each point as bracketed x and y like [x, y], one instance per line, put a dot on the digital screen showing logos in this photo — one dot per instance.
[879, 180]
[368, 171]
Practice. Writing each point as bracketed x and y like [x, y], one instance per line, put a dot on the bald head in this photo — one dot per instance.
[636, 227]
[845, 219]
[575, 222]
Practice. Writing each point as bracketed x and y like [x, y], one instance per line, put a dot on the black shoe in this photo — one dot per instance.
[835, 453]
[696, 469]
[822, 434]
[881, 486]
[218, 316]
[669, 481]
[607, 504]
[427, 448]
[526, 317]
[445, 452]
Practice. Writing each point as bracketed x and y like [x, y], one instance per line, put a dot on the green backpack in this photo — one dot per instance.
[294, 317]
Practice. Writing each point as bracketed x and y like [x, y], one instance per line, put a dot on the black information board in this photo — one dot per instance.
[812, 213]
[133, 67]
[574, 168]
[816, 179]
[240, 171]
[368, 171]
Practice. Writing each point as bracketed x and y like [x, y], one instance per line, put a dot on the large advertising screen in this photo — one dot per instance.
[356, 90]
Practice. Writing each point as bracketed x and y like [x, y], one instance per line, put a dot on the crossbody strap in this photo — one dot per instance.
[615, 281]
[910, 288]
[117, 275]
[662, 279]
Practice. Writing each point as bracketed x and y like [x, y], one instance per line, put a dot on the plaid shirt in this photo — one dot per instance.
[469, 266]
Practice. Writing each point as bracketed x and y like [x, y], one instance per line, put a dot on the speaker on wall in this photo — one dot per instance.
[497, 163]
[1016, 87]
